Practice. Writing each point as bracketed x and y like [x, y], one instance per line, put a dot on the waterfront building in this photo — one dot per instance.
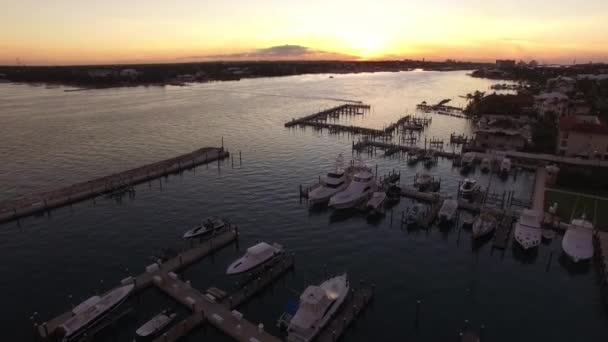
[584, 136]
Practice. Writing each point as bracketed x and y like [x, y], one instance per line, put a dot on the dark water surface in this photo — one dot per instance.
[52, 138]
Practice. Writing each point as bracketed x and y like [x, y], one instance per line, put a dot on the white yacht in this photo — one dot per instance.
[447, 213]
[505, 167]
[334, 182]
[486, 165]
[318, 304]
[255, 256]
[92, 310]
[578, 240]
[359, 190]
[468, 187]
[528, 231]
[207, 226]
[156, 324]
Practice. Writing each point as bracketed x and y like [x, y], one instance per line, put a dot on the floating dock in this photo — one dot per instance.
[357, 108]
[41, 202]
[183, 259]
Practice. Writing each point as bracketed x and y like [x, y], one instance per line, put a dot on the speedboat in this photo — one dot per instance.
[578, 240]
[423, 181]
[207, 226]
[156, 324]
[317, 306]
[528, 230]
[91, 311]
[484, 225]
[447, 213]
[505, 167]
[467, 162]
[468, 188]
[359, 190]
[333, 183]
[486, 165]
[255, 256]
[415, 156]
[376, 203]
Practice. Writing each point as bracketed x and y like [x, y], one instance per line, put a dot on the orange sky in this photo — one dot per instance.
[112, 31]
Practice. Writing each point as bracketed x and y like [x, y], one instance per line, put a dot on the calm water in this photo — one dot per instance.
[52, 138]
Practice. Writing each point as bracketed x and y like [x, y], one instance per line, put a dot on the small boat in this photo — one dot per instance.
[486, 165]
[317, 306]
[484, 225]
[376, 203]
[91, 311]
[255, 256]
[447, 213]
[334, 182]
[528, 230]
[207, 226]
[156, 324]
[505, 167]
[429, 158]
[578, 240]
[467, 221]
[393, 194]
[414, 215]
[423, 181]
[468, 188]
[359, 190]
[415, 156]
[466, 163]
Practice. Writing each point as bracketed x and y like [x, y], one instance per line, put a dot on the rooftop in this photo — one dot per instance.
[583, 124]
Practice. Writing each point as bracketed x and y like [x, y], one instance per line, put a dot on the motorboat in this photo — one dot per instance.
[486, 165]
[578, 240]
[484, 225]
[466, 163]
[505, 167]
[468, 187]
[447, 213]
[91, 311]
[414, 215]
[423, 181]
[317, 306]
[376, 203]
[528, 230]
[255, 256]
[207, 226]
[359, 190]
[393, 194]
[156, 324]
[333, 183]
[415, 156]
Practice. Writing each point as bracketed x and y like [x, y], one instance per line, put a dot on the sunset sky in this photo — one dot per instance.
[133, 31]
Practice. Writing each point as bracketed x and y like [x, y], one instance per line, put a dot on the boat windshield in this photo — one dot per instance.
[333, 186]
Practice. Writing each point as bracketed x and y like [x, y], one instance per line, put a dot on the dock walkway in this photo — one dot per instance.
[351, 108]
[144, 280]
[41, 202]
[366, 143]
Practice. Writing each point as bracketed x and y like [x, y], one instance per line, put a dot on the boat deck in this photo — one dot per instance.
[357, 300]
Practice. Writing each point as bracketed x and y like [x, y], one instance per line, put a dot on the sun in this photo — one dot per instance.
[366, 46]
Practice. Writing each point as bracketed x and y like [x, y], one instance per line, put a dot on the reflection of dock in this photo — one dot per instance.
[115, 183]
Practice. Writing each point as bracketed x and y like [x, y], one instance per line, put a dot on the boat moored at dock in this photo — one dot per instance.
[484, 225]
[467, 161]
[578, 240]
[359, 190]
[318, 304]
[91, 311]
[208, 226]
[447, 213]
[156, 324]
[255, 256]
[468, 187]
[528, 230]
[505, 167]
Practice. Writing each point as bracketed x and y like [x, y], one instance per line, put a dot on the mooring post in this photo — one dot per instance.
[240, 158]
[418, 305]
[549, 262]
[482, 330]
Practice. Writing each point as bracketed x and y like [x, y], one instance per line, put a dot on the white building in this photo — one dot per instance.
[555, 102]
[583, 136]
[129, 73]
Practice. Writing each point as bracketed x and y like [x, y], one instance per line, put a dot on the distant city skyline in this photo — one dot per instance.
[63, 32]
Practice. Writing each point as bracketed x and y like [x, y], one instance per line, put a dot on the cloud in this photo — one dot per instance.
[282, 52]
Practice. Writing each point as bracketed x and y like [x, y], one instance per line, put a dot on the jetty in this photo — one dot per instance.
[350, 108]
[112, 184]
[393, 148]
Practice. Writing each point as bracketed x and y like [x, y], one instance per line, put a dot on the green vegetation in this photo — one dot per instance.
[496, 104]
[573, 205]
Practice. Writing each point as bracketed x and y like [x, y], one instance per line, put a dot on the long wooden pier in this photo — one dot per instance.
[144, 280]
[366, 143]
[41, 202]
[350, 108]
